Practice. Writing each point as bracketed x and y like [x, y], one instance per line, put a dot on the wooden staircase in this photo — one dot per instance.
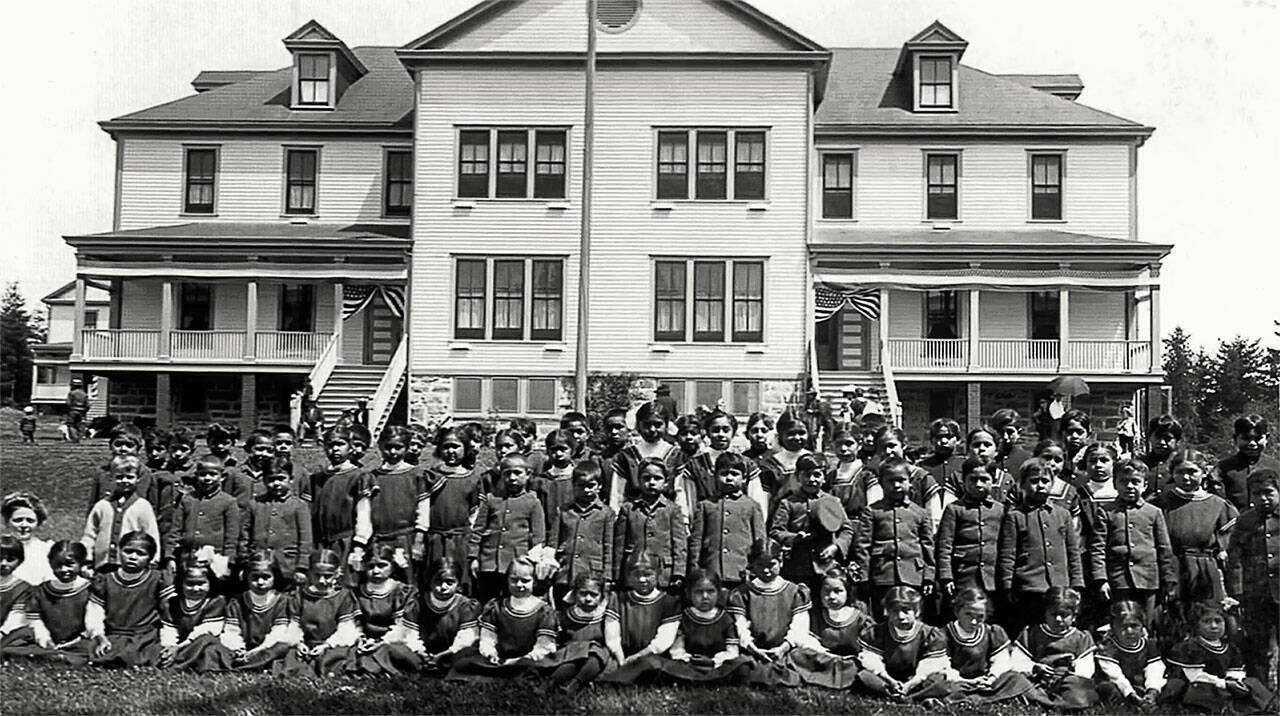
[346, 385]
[831, 383]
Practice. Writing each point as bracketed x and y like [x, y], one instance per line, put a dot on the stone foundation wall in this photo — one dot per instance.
[430, 398]
[133, 395]
[222, 399]
[1103, 406]
[274, 391]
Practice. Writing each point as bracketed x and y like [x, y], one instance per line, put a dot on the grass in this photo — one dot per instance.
[59, 473]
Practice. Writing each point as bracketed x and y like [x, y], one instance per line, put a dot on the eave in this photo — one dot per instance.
[420, 58]
[1047, 253]
[986, 131]
[402, 127]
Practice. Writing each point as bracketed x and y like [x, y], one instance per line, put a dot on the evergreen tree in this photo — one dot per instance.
[1183, 365]
[17, 330]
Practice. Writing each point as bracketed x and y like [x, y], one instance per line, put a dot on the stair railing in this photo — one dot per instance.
[318, 376]
[890, 388]
[388, 388]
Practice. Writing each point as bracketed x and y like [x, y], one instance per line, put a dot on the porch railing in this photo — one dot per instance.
[289, 346]
[1020, 355]
[1109, 356]
[389, 388]
[206, 345]
[120, 344]
[933, 353]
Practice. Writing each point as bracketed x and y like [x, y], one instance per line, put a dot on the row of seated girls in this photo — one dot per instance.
[767, 631]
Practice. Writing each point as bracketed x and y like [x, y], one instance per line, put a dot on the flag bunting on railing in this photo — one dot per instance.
[355, 298]
[831, 297]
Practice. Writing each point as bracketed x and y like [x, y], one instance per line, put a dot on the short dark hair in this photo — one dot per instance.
[891, 464]
[1250, 424]
[1165, 425]
[571, 417]
[1004, 417]
[938, 425]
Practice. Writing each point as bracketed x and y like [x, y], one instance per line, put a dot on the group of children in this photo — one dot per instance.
[1060, 575]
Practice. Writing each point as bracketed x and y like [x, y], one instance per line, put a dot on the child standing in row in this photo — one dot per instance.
[895, 537]
[1253, 574]
[968, 538]
[392, 508]
[506, 527]
[652, 525]
[455, 497]
[279, 522]
[582, 534]
[726, 530]
[118, 513]
[331, 492]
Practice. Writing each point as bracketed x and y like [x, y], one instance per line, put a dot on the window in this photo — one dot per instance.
[673, 165]
[518, 313]
[506, 395]
[935, 82]
[91, 320]
[313, 79]
[548, 171]
[47, 374]
[941, 186]
[473, 164]
[548, 300]
[837, 186]
[297, 308]
[748, 176]
[300, 188]
[508, 299]
[466, 395]
[941, 319]
[398, 192]
[1046, 187]
[1044, 315]
[195, 307]
[697, 293]
[542, 395]
[748, 302]
[202, 167]
[711, 177]
[513, 164]
[708, 392]
[746, 397]
[516, 177]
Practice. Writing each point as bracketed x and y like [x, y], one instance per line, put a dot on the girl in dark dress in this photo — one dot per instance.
[981, 667]
[382, 602]
[257, 626]
[828, 655]
[772, 616]
[14, 592]
[902, 657]
[55, 611]
[1057, 656]
[324, 616]
[124, 606]
[582, 655]
[191, 624]
[442, 622]
[640, 623]
[392, 507]
[706, 644]
[455, 496]
[1130, 667]
[1208, 670]
[516, 632]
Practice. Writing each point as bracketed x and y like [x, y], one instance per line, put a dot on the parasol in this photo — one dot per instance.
[1069, 385]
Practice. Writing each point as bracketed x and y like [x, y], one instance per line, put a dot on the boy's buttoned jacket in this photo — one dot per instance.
[506, 528]
[1129, 546]
[798, 513]
[583, 540]
[660, 528]
[282, 526]
[212, 520]
[897, 542]
[723, 533]
[1253, 559]
[969, 542]
[1039, 549]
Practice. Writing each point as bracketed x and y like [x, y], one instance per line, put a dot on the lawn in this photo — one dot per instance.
[59, 474]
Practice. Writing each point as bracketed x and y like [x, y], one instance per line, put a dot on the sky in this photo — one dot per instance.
[1203, 72]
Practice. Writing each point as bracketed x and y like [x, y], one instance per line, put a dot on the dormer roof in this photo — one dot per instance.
[934, 38]
[313, 36]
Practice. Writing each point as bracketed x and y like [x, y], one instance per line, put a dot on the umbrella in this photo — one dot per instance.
[1069, 385]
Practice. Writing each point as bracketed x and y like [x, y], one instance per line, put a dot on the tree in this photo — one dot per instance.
[1182, 373]
[17, 331]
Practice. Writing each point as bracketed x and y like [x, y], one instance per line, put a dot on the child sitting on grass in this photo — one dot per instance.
[442, 622]
[323, 621]
[1057, 656]
[382, 601]
[981, 669]
[828, 654]
[582, 655]
[55, 611]
[123, 615]
[191, 624]
[771, 614]
[14, 592]
[1131, 668]
[257, 631]
[640, 622]
[1209, 669]
[903, 658]
[705, 649]
[516, 632]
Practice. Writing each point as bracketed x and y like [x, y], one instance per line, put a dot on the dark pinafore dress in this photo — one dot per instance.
[971, 655]
[379, 614]
[639, 618]
[901, 654]
[517, 631]
[60, 609]
[835, 666]
[1064, 649]
[132, 609]
[438, 626]
[706, 635]
[769, 610]
[205, 652]
[253, 622]
[318, 616]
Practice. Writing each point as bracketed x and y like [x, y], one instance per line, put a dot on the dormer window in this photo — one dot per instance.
[314, 79]
[935, 82]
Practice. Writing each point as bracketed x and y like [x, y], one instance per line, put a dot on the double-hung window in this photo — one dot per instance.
[942, 172]
[711, 164]
[300, 181]
[202, 174]
[837, 185]
[1044, 315]
[708, 300]
[509, 298]
[398, 189]
[314, 87]
[935, 82]
[1046, 187]
[530, 163]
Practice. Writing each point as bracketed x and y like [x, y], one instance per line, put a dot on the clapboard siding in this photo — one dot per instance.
[994, 186]
[663, 25]
[250, 181]
[1096, 315]
[140, 304]
[269, 307]
[906, 314]
[1002, 314]
[626, 231]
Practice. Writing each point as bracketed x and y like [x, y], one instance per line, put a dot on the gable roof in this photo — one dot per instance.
[865, 95]
[437, 41]
[314, 36]
[66, 293]
[380, 101]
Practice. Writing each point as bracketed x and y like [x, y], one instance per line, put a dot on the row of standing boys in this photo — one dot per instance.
[437, 560]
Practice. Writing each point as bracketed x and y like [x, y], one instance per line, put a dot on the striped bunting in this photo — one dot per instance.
[355, 298]
[831, 297]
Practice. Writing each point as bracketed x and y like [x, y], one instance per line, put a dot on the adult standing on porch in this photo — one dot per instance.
[77, 408]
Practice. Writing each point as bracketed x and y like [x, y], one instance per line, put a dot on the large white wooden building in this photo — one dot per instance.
[766, 214]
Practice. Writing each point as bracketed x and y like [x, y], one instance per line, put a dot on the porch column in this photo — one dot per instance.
[77, 330]
[166, 320]
[1064, 321]
[973, 405]
[337, 317]
[973, 329]
[248, 403]
[251, 324]
[883, 325]
[1157, 356]
[164, 401]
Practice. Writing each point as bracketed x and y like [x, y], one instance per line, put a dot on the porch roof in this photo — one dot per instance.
[951, 245]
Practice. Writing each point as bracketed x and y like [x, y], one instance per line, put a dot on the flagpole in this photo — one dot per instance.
[584, 249]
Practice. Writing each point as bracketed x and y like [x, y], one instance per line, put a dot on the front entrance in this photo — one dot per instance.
[382, 331]
[844, 342]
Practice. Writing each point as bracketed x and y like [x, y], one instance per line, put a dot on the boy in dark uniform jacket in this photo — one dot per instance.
[506, 526]
[1039, 548]
[1164, 436]
[812, 527]
[652, 524]
[582, 532]
[1232, 481]
[725, 530]
[1009, 452]
[895, 538]
[1253, 574]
